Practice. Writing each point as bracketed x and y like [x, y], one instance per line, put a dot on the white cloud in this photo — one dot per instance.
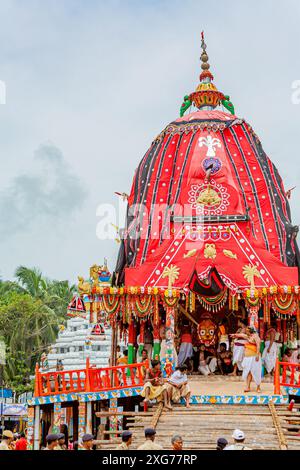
[51, 193]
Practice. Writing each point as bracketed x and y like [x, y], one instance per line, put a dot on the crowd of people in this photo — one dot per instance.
[233, 354]
[177, 441]
[13, 441]
[10, 441]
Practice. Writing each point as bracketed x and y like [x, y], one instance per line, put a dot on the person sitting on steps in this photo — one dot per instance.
[207, 362]
[224, 360]
[155, 386]
[178, 386]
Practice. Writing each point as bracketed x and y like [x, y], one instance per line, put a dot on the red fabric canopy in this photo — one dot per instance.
[210, 166]
[229, 250]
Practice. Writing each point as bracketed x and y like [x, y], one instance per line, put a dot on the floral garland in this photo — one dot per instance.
[192, 302]
[284, 304]
[154, 291]
[170, 301]
[105, 290]
[233, 302]
[142, 305]
[273, 290]
[110, 303]
[155, 312]
[112, 319]
[253, 303]
[215, 303]
[267, 303]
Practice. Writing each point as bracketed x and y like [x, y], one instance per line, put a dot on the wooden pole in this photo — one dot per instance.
[114, 338]
[113, 354]
[89, 425]
[277, 379]
[36, 443]
[87, 375]
[276, 421]
[37, 381]
[188, 316]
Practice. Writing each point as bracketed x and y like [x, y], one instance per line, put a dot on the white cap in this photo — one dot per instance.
[238, 435]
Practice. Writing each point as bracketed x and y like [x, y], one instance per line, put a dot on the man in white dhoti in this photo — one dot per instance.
[251, 364]
[270, 351]
[238, 349]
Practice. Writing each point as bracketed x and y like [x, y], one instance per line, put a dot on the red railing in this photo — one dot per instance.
[89, 379]
[286, 375]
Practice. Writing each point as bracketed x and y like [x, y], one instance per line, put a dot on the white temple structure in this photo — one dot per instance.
[76, 342]
[85, 335]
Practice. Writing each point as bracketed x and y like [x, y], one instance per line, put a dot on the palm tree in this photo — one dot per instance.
[172, 273]
[32, 281]
[54, 294]
[250, 273]
[58, 296]
[33, 328]
[31, 311]
[7, 287]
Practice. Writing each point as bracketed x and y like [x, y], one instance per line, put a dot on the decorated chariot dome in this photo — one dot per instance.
[206, 196]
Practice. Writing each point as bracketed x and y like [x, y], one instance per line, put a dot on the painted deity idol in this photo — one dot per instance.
[207, 331]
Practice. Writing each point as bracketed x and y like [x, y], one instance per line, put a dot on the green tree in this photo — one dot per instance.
[58, 296]
[32, 281]
[29, 326]
[31, 311]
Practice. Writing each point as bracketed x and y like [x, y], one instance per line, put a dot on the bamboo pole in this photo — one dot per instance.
[157, 415]
[277, 425]
[184, 312]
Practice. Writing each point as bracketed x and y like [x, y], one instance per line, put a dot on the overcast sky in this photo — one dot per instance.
[90, 83]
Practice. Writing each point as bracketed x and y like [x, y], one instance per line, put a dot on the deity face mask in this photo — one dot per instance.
[207, 332]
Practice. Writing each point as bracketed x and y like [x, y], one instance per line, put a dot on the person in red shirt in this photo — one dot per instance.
[186, 347]
[21, 443]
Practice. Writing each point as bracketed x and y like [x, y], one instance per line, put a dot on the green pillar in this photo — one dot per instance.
[131, 341]
[131, 355]
[156, 341]
[156, 348]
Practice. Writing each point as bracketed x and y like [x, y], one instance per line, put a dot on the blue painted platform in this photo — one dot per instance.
[195, 399]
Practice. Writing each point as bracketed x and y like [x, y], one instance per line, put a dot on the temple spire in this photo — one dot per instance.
[206, 97]
[206, 76]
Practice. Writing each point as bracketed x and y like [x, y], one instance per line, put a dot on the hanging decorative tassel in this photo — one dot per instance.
[156, 310]
[233, 302]
[192, 299]
[267, 311]
[126, 310]
[214, 304]
[130, 309]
